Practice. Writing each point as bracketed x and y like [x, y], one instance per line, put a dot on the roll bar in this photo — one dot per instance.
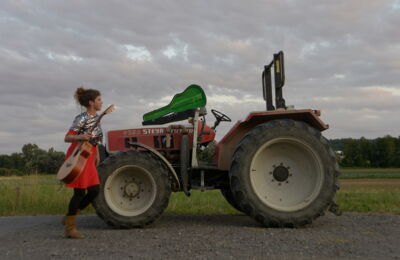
[279, 76]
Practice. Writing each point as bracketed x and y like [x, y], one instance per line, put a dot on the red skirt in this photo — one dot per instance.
[89, 175]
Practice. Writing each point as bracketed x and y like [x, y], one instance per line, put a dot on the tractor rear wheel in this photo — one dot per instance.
[135, 189]
[227, 193]
[284, 174]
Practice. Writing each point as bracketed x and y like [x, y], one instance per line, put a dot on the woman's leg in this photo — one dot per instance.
[70, 220]
[73, 207]
[92, 193]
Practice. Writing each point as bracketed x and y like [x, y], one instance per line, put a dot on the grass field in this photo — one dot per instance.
[32, 195]
[371, 173]
[39, 195]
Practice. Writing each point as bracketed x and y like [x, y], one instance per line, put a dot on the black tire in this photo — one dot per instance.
[135, 189]
[102, 152]
[252, 177]
[227, 193]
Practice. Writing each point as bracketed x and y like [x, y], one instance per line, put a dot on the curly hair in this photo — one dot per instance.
[83, 96]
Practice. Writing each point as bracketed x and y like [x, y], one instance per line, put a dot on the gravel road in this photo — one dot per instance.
[350, 236]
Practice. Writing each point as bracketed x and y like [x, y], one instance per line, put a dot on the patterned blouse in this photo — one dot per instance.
[83, 122]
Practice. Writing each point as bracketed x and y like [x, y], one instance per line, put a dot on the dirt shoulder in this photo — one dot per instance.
[350, 236]
[369, 184]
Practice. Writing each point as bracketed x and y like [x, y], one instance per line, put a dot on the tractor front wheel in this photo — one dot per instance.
[284, 174]
[135, 189]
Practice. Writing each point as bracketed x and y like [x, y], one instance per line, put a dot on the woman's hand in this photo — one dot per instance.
[76, 138]
[85, 137]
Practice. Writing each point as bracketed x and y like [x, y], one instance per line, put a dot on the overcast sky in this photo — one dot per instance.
[342, 57]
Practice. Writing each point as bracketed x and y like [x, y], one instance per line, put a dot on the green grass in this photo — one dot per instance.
[370, 173]
[40, 195]
[207, 202]
[381, 201]
[33, 195]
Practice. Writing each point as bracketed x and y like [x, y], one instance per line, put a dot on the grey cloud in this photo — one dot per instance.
[334, 51]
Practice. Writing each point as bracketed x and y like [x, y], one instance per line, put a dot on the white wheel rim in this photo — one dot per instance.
[130, 190]
[291, 189]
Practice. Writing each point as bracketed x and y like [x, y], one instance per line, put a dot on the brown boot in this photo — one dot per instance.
[63, 221]
[70, 228]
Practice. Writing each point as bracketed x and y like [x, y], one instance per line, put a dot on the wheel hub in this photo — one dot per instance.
[281, 173]
[131, 189]
[286, 174]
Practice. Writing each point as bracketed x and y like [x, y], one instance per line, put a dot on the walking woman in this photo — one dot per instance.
[86, 185]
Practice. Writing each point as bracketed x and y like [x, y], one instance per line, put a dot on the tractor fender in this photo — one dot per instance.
[228, 143]
[163, 159]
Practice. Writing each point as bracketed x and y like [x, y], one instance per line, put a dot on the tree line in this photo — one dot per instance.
[32, 160]
[382, 152]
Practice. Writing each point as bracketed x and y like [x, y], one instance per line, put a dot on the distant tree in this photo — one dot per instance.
[395, 161]
[378, 152]
[364, 160]
[351, 152]
[12, 164]
[38, 160]
[337, 144]
[18, 161]
[32, 160]
[10, 172]
[32, 155]
[5, 161]
[384, 151]
[54, 161]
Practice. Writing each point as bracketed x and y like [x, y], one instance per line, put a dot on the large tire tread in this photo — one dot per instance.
[155, 211]
[227, 194]
[251, 207]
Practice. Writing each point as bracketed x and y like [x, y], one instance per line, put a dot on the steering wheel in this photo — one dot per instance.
[220, 117]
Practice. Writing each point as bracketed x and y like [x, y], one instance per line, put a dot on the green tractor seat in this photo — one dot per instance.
[182, 106]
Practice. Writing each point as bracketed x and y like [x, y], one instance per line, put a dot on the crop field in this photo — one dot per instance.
[371, 173]
[362, 190]
[369, 184]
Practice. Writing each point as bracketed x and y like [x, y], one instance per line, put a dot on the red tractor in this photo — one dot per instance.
[274, 166]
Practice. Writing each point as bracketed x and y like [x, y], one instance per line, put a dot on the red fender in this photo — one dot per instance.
[226, 147]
